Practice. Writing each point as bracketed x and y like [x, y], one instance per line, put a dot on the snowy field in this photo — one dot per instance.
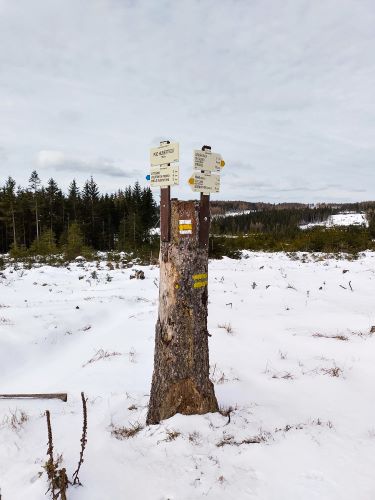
[291, 352]
[342, 219]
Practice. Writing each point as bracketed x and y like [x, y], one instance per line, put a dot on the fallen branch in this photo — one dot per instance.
[58, 395]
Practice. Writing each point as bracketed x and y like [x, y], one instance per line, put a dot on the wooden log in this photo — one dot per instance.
[58, 395]
[180, 382]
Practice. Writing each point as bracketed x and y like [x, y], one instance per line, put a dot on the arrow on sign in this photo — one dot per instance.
[205, 183]
[164, 176]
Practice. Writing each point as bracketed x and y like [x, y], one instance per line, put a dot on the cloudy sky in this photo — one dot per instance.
[283, 89]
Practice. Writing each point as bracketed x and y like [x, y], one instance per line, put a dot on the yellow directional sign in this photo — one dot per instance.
[205, 182]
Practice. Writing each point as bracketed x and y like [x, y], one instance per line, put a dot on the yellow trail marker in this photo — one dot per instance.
[222, 163]
[191, 181]
[199, 284]
[199, 276]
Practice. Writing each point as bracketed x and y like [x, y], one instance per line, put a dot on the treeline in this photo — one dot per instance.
[219, 207]
[271, 221]
[36, 216]
[350, 239]
[278, 229]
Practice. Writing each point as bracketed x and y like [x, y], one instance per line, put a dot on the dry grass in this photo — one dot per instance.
[300, 426]
[337, 337]
[227, 327]
[126, 432]
[285, 376]
[15, 420]
[195, 437]
[171, 435]
[335, 371]
[229, 440]
[101, 354]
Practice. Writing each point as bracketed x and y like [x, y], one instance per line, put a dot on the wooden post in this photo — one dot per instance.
[204, 215]
[180, 382]
[165, 214]
[165, 209]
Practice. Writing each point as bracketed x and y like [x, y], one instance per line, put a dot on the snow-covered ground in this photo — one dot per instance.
[291, 352]
[234, 214]
[342, 219]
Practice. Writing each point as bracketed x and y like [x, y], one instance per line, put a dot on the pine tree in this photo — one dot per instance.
[10, 201]
[34, 183]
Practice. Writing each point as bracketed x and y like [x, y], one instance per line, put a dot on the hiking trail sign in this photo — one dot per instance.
[164, 176]
[205, 183]
[164, 154]
[207, 168]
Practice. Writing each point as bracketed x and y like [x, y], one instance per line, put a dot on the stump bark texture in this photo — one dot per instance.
[180, 382]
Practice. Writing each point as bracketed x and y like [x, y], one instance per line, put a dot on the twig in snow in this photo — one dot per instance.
[83, 440]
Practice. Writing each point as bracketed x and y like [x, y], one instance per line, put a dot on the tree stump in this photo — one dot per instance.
[180, 382]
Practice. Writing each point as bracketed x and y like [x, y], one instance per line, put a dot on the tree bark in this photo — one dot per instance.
[180, 382]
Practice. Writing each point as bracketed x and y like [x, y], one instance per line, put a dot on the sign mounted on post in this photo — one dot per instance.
[168, 153]
[207, 168]
[205, 183]
[165, 176]
[207, 161]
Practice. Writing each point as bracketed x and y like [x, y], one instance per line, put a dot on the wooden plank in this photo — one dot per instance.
[165, 214]
[204, 220]
[58, 395]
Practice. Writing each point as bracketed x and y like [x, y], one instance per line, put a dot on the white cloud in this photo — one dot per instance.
[58, 161]
[284, 87]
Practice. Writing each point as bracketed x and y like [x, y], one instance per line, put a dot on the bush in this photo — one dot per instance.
[75, 244]
[46, 245]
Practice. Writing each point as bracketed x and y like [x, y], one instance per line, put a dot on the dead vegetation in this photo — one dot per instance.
[226, 412]
[337, 337]
[229, 440]
[301, 426]
[58, 481]
[126, 432]
[227, 327]
[101, 354]
[195, 438]
[16, 420]
[171, 435]
[283, 375]
[334, 371]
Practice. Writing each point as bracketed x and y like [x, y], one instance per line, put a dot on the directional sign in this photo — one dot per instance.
[208, 161]
[164, 176]
[168, 153]
[205, 183]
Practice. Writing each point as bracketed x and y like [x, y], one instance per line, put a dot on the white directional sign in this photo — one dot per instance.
[205, 183]
[206, 160]
[164, 176]
[161, 155]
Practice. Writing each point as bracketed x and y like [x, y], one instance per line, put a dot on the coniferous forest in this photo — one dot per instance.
[42, 219]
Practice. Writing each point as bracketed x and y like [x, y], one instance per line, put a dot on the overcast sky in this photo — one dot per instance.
[283, 89]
